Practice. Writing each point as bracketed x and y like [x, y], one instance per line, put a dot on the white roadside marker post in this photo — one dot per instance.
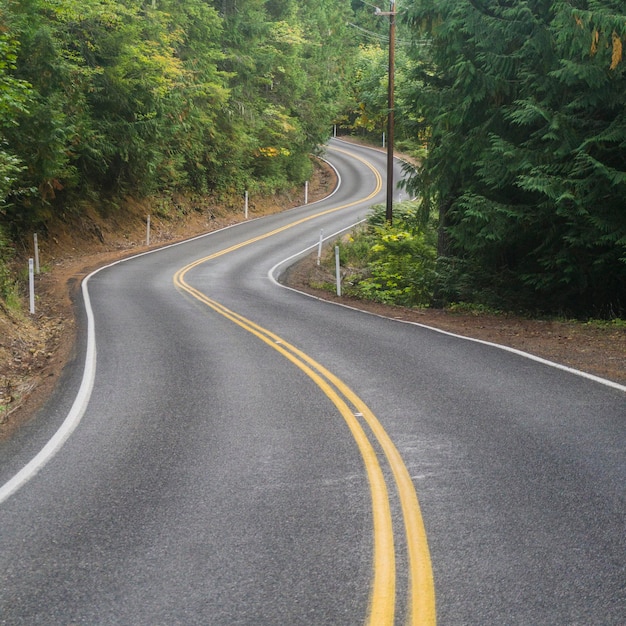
[338, 270]
[31, 285]
[319, 246]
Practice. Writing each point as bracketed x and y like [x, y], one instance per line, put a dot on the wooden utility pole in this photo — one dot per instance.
[390, 105]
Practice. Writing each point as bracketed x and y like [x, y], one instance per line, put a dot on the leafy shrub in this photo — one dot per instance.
[394, 264]
[7, 280]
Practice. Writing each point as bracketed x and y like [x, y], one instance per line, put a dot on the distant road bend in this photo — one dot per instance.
[228, 451]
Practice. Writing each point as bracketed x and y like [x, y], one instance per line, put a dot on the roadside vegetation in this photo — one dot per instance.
[390, 263]
[513, 113]
[106, 100]
[522, 107]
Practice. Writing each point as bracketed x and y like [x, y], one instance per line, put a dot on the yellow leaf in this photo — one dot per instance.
[616, 58]
[595, 37]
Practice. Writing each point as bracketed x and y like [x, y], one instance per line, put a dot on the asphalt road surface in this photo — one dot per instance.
[224, 450]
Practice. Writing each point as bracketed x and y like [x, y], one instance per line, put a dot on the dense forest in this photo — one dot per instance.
[523, 107]
[515, 110]
[108, 97]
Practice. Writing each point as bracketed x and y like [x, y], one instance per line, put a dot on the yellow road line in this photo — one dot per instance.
[237, 246]
[421, 604]
[382, 600]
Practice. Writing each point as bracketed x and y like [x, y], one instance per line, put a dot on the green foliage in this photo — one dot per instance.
[367, 110]
[392, 264]
[14, 95]
[472, 309]
[523, 108]
[518, 108]
[370, 87]
[103, 98]
[286, 60]
[616, 323]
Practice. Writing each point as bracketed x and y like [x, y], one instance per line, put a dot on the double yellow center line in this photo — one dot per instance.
[421, 600]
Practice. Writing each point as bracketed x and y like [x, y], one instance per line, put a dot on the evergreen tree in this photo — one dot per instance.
[105, 98]
[522, 103]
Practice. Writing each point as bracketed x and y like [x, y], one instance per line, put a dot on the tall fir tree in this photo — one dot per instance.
[522, 103]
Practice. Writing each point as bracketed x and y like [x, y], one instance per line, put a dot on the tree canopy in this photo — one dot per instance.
[102, 98]
[523, 106]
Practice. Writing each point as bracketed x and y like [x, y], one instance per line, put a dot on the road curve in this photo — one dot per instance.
[239, 447]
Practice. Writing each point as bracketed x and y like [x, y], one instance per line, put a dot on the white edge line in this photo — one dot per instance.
[527, 355]
[73, 417]
[83, 396]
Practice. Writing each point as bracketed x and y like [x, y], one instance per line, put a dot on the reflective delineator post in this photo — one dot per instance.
[31, 285]
[338, 270]
[319, 246]
[36, 246]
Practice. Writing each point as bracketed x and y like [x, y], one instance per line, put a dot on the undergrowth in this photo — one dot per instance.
[391, 263]
[9, 294]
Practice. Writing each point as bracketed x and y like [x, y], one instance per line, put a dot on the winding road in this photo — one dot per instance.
[224, 450]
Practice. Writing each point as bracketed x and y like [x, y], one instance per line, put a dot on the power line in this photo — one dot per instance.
[385, 38]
